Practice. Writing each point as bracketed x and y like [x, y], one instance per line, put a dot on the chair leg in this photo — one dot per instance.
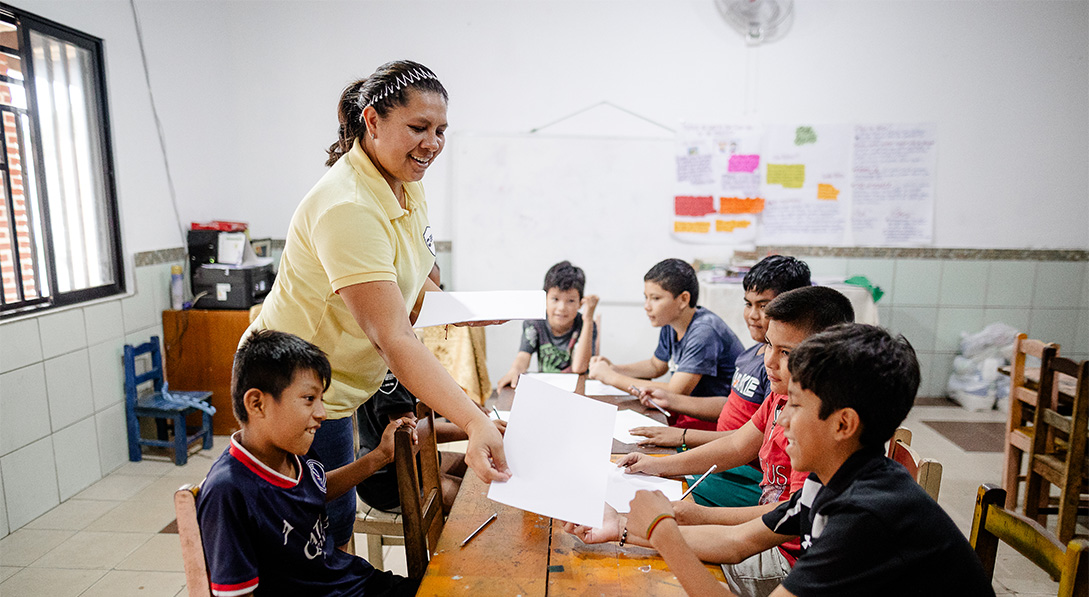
[374, 551]
[1011, 470]
[207, 431]
[1036, 491]
[135, 454]
[181, 446]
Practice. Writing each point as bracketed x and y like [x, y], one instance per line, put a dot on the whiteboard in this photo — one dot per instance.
[521, 203]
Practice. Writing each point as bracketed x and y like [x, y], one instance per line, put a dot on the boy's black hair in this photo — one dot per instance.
[565, 276]
[268, 361]
[861, 367]
[675, 276]
[812, 308]
[778, 273]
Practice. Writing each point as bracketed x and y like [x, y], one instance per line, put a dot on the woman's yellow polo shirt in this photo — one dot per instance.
[348, 229]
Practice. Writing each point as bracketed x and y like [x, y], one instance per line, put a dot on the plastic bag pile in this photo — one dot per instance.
[976, 383]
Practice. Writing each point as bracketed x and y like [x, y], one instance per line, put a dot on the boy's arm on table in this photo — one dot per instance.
[737, 448]
[625, 376]
[520, 366]
[379, 310]
[584, 346]
[341, 480]
[706, 408]
[670, 437]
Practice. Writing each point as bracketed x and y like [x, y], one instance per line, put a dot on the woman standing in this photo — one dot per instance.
[356, 261]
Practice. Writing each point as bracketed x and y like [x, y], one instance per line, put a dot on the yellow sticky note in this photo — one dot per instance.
[697, 227]
[827, 191]
[730, 225]
[791, 176]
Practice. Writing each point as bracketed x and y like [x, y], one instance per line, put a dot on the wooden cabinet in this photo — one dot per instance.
[199, 350]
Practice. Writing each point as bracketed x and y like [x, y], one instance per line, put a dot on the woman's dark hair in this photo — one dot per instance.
[777, 273]
[268, 361]
[675, 276]
[861, 367]
[385, 89]
[565, 276]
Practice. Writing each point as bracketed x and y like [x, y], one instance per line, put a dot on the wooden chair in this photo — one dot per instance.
[196, 568]
[155, 405]
[902, 434]
[1023, 399]
[1068, 564]
[421, 490]
[382, 528]
[1058, 452]
[927, 472]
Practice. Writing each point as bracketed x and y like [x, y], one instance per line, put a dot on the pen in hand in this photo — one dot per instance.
[698, 481]
[636, 391]
[496, 411]
[479, 528]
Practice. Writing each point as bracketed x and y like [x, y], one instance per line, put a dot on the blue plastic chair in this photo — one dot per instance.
[156, 406]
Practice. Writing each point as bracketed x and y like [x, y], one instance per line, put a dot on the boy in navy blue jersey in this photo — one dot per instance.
[262, 507]
[695, 345]
[866, 527]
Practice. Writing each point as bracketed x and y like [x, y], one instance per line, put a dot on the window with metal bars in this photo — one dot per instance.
[60, 238]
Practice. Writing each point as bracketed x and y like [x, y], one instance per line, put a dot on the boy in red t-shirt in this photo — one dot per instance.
[794, 316]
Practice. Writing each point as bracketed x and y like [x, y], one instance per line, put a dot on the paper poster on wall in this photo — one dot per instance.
[893, 184]
[807, 185]
[718, 197]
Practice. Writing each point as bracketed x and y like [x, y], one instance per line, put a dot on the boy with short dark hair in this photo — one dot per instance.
[695, 345]
[262, 507]
[866, 526]
[559, 341]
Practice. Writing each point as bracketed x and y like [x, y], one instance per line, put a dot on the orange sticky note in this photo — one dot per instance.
[827, 192]
[730, 225]
[740, 205]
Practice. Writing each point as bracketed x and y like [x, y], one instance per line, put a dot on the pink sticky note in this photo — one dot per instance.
[744, 163]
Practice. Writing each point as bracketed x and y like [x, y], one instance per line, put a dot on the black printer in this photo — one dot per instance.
[224, 286]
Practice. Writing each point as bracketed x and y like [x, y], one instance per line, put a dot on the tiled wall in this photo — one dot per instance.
[62, 415]
[931, 301]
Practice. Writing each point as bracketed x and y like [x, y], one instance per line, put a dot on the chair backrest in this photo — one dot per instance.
[420, 489]
[154, 374]
[1022, 390]
[196, 568]
[1068, 564]
[927, 472]
[902, 434]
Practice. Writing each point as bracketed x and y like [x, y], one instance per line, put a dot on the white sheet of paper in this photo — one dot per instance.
[564, 381]
[503, 414]
[440, 308]
[596, 388]
[622, 487]
[555, 444]
[628, 419]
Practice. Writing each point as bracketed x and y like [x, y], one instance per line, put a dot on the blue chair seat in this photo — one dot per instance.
[157, 407]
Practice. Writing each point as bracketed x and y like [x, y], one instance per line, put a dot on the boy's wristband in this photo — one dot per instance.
[658, 519]
[684, 446]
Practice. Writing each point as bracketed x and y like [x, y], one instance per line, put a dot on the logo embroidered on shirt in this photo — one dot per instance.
[317, 471]
[429, 240]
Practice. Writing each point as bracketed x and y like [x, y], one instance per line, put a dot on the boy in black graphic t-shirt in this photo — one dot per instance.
[559, 341]
[866, 527]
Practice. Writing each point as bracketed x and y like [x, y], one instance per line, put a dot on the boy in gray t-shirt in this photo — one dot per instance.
[559, 341]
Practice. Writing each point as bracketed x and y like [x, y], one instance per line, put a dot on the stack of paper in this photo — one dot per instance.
[441, 308]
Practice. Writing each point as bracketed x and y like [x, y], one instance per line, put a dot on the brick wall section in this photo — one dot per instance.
[19, 212]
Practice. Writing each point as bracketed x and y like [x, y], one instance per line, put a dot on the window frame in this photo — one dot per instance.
[25, 23]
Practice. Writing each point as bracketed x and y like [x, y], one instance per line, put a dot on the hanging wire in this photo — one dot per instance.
[602, 103]
[158, 124]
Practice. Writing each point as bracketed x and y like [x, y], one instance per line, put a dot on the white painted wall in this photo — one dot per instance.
[247, 92]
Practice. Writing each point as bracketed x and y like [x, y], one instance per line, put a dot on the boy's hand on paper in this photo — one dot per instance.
[485, 454]
[648, 397]
[646, 507]
[639, 463]
[609, 531]
[501, 425]
[600, 369]
[666, 437]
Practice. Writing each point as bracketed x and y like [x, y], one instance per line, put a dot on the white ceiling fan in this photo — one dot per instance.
[758, 21]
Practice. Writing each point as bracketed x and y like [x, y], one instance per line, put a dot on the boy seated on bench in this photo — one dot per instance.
[261, 509]
[867, 527]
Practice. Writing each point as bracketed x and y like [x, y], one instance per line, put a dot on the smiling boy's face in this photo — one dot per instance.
[297, 415]
[561, 307]
[809, 438]
[755, 319]
[661, 306]
[781, 338]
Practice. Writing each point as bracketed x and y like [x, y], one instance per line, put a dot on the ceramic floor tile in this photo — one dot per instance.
[137, 516]
[147, 467]
[162, 553]
[73, 515]
[7, 571]
[26, 545]
[115, 487]
[90, 549]
[52, 582]
[123, 583]
[393, 559]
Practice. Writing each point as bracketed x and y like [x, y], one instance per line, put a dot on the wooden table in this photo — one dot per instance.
[526, 554]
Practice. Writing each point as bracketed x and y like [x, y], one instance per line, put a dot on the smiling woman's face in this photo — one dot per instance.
[409, 138]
